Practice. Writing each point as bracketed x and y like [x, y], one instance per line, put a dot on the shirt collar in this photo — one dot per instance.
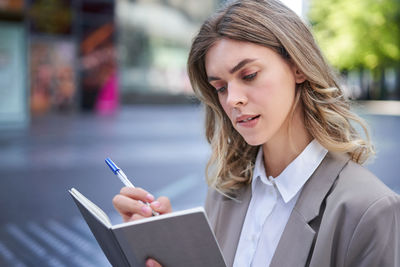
[295, 175]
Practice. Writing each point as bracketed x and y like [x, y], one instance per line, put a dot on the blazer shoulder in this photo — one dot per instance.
[361, 215]
[357, 187]
[377, 235]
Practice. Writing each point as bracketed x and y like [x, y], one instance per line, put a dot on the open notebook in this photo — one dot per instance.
[182, 238]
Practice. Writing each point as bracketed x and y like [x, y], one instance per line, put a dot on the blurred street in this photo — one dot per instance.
[161, 148]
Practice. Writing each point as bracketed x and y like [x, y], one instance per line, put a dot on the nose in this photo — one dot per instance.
[236, 96]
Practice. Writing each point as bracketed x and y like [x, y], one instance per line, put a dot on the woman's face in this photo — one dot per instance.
[255, 86]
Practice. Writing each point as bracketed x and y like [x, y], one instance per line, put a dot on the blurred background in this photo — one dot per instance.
[82, 80]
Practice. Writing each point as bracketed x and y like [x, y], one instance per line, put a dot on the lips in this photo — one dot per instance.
[246, 118]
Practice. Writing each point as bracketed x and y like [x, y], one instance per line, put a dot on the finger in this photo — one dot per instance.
[126, 217]
[128, 206]
[137, 193]
[161, 205]
[152, 263]
[135, 217]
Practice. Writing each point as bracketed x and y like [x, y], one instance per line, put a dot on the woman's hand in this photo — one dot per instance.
[128, 204]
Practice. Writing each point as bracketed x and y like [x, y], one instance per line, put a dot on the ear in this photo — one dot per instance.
[298, 75]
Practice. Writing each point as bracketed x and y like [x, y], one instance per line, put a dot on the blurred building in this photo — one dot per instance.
[13, 60]
[76, 55]
[154, 40]
[56, 55]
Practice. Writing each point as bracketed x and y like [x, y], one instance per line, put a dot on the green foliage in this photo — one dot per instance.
[358, 33]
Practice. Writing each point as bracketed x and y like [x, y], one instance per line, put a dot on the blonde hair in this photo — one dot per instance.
[327, 114]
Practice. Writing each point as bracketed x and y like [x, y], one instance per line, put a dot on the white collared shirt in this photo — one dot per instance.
[271, 204]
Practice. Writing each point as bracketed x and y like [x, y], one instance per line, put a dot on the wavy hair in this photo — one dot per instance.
[327, 114]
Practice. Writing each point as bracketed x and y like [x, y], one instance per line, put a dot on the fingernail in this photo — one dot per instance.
[156, 204]
[150, 197]
[145, 210]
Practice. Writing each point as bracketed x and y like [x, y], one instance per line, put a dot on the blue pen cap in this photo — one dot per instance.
[112, 165]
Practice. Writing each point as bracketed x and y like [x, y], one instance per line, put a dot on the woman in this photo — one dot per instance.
[286, 185]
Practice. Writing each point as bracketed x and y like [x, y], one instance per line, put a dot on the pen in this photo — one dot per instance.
[121, 175]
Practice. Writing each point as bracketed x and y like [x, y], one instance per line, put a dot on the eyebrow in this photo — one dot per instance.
[238, 66]
[241, 65]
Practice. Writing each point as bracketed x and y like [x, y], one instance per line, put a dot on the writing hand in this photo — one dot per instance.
[129, 203]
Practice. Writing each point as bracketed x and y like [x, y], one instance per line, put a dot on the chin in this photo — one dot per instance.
[252, 141]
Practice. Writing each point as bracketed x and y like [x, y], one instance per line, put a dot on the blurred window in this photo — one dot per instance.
[154, 39]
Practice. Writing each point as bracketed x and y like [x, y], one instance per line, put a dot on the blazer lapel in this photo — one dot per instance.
[231, 217]
[297, 238]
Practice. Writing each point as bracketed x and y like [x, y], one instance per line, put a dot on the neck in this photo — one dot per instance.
[282, 149]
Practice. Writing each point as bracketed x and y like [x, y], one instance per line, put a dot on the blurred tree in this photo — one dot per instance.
[359, 34]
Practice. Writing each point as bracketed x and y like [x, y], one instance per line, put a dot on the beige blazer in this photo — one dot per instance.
[344, 216]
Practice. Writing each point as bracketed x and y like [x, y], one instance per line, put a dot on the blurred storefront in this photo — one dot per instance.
[90, 55]
[72, 55]
[56, 56]
[13, 57]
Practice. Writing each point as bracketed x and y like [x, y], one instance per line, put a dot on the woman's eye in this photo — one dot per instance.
[250, 76]
[221, 89]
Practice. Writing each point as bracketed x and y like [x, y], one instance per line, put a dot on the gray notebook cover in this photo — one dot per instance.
[105, 237]
[178, 239]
